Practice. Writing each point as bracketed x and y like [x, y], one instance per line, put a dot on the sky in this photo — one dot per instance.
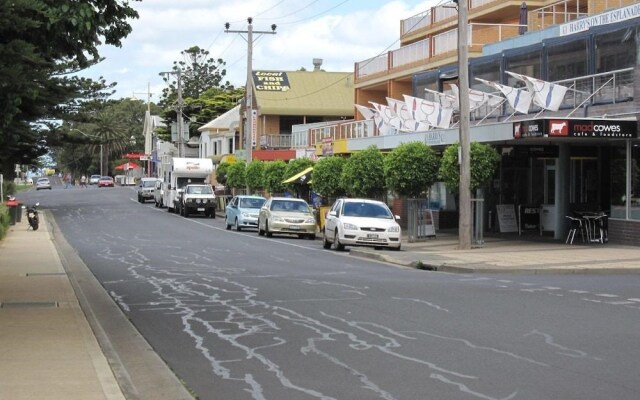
[340, 32]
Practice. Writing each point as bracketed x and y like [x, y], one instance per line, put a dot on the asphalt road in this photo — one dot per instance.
[238, 316]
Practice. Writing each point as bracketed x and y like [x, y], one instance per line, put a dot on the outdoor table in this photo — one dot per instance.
[596, 226]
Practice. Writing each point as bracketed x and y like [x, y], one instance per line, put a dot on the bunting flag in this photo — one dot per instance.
[383, 128]
[545, 94]
[366, 112]
[477, 97]
[446, 100]
[388, 116]
[519, 99]
[429, 111]
[409, 123]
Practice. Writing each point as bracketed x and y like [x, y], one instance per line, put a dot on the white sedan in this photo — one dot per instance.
[361, 222]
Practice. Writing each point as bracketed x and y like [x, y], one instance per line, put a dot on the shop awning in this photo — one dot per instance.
[298, 175]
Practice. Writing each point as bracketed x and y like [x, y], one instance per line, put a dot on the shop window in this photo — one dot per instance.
[616, 50]
[567, 60]
[635, 183]
[525, 64]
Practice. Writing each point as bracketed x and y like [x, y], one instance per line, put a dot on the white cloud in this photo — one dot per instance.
[353, 31]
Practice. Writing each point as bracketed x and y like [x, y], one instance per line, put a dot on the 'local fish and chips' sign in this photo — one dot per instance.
[271, 81]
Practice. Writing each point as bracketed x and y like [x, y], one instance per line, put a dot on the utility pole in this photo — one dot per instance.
[464, 221]
[250, 134]
[179, 107]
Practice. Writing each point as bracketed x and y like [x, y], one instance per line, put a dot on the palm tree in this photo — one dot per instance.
[112, 134]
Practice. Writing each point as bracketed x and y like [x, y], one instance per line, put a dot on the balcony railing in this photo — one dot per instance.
[373, 65]
[415, 23]
[410, 54]
[305, 136]
[558, 13]
[276, 141]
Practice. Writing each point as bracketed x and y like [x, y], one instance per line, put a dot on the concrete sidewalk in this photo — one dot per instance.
[510, 254]
[61, 336]
[48, 350]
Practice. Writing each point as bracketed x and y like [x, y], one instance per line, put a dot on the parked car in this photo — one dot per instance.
[361, 222]
[105, 181]
[286, 215]
[197, 198]
[93, 179]
[146, 186]
[158, 193]
[43, 183]
[242, 212]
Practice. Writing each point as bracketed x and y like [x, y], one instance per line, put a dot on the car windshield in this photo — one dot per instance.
[251, 203]
[366, 210]
[290, 206]
[199, 190]
[106, 178]
[43, 180]
[148, 183]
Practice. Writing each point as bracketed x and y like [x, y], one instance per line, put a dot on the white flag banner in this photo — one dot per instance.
[446, 100]
[545, 94]
[388, 116]
[409, 123]
[366, 112]
[383, 127]
[519, 99]
[429, 111]
[477, 97]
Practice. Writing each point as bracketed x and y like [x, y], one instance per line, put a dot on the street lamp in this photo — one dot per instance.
[93, 136]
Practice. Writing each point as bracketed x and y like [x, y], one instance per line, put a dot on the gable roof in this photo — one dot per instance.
[310, 93]
[225, 122]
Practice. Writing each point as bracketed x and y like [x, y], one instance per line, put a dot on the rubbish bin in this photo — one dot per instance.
[13, 211]
[19, 212]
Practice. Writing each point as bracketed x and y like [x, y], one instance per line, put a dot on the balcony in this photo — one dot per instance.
[305, 136]
[275, 141]
[422, 52]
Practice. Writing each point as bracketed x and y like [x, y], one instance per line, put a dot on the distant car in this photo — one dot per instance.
[93, 179]
[29, 181]
[105, 181]
[43, 183]
[242, 212]
[286, 215]
[361, 222]
[146, 187]
[158, 193]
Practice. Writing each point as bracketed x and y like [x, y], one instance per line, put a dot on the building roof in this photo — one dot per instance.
[225, 122]
[309, 93]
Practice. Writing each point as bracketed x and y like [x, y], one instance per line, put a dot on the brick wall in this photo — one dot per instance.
[624, 232]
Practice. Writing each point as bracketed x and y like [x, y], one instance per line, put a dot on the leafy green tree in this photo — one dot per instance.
[221, 173]
[300, 186]
[274, 174]
[363, 174]
[411, 168]
[484, 160]
[237, 175]
[326, 176]
[41, 44]
[255, 175]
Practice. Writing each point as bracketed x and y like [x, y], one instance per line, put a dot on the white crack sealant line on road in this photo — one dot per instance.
[562, 350]
[437, 307]
[464, 389]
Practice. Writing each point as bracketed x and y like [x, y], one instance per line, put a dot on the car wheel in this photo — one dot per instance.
[238, 226]
[185, 211]
[311, 236]
[336, 242]
[396, 248]
[227, 224]
[213, 213]
[325, 243]
[260, 231]
[266, 229]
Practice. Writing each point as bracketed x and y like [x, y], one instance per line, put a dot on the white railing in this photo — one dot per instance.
[478, 3]
[604, 88]
[373, 65]
[444, 11]
[445, 42]
[416, 22]
[300, 137]
[414, 52]
[335, 131]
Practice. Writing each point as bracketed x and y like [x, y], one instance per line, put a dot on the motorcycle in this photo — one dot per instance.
[32, 216]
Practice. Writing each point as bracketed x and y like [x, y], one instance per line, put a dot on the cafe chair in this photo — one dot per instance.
[575, 225]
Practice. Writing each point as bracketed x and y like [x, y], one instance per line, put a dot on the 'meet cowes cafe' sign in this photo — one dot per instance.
[610, 17]
[575, 128]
